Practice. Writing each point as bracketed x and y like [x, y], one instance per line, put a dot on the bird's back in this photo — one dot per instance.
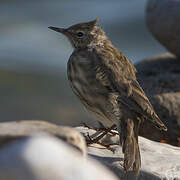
[121, 75]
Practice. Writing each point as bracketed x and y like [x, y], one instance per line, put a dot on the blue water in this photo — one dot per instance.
[26, 44]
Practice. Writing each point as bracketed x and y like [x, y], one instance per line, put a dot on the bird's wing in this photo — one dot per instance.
[120, 76]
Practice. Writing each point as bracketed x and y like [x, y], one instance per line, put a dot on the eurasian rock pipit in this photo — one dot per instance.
[105, 82]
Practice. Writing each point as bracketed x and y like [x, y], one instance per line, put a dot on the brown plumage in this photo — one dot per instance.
[105, 82]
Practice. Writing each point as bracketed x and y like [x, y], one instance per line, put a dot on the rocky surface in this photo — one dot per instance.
[10, 131]
[159, 161]
[27, 152]
[160, 79]
[48, 158]
[163, 20]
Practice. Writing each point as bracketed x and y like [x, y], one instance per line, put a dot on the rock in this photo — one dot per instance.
[160, 78]
[47, 158]
[10, 131]
[163, 20]
[43, 157]
[159, 161]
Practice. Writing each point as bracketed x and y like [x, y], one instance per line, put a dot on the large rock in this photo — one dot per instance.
[43, 157]
[159, 161]
[10, 131]
[163, 20]
[160, 79]
[47, 158]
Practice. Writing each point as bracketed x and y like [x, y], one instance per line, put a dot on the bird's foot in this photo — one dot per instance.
[100, 135]
[96, 141]
[107, 130]
[91, 140]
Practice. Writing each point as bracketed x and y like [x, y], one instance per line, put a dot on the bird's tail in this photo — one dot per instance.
[129, 141]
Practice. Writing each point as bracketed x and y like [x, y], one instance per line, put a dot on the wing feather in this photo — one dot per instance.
[119, 75]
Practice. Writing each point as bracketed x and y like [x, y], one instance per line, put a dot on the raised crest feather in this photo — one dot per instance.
[94, 22]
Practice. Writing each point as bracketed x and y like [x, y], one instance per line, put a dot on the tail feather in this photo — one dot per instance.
[130, 147]
[137, 163]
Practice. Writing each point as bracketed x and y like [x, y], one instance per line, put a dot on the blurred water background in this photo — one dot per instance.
[33, 82]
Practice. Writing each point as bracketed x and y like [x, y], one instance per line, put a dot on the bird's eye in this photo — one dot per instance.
[80, 34]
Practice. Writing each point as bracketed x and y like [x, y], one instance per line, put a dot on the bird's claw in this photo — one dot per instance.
[90, 140]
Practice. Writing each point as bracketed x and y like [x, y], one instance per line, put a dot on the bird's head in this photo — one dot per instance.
[83, 34]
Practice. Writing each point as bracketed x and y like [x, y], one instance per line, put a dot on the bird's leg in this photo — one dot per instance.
[95, 140]
[93, 128]
[90, 137]
[101, 129]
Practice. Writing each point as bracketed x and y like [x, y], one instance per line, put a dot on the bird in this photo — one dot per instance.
[105, 82]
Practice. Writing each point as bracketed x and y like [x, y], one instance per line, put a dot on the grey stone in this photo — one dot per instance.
[163, 20]
[10, 131]
[159, 161]
[44, 157]
[160, 78]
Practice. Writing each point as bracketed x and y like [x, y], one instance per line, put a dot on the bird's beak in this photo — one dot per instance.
[61, 30]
